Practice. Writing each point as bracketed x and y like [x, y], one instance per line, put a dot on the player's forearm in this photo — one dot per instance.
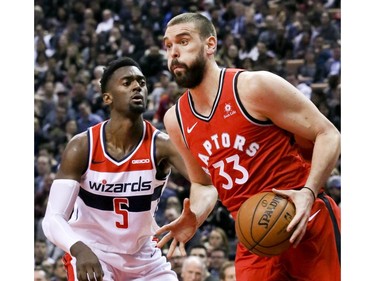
[203, 199]
[59, 208]
[58, 232]
[325, 155]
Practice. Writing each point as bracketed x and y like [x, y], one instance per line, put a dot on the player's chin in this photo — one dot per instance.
[179, 71]
[138, 107]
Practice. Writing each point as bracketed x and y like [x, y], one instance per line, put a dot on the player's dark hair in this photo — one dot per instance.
[112, 67]
[202, 23]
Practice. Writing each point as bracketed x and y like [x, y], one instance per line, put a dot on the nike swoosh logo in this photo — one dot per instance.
[97, 162]
[313, 215]
[192, 127]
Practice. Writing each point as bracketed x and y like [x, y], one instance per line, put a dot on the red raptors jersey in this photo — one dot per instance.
[243, 155]
[117, 200]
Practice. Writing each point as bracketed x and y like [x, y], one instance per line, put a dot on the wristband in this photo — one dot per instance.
[312, 192]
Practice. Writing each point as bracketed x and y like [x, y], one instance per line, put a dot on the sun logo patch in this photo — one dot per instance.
[228, 110]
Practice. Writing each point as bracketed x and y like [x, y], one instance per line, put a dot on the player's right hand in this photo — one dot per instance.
[181, 230]
[87, 263]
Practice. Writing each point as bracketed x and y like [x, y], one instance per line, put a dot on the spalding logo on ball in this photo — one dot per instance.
[262, 221]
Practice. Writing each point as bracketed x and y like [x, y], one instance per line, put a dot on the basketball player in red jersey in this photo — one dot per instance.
[102, 203]
[242, 132]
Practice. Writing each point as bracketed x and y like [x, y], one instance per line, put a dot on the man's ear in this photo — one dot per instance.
[107, 98]
[211, 45]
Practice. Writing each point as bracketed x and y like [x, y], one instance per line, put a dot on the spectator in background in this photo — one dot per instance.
[268, 34]
[308, 71]
[174, 8]
[49, 97]
[86, 117]
[64, 101]
[302, 86]
[107, 22]
[39, 137]
[47, 266]
[259, 56]
[73, 57]
[93, 89]
[227, 41]
[152, 17]
[43, 167]
[160, 87]
[216, 13]
[333, 64]
[218, 256]
[193, 269]
[206, 7]
[238, 23]
[230, 58]
[113, 43]
[176, 261]
[322, 54]
[41, 197]
[333, 91]
[71, 129]
[327, 29]
[41, 252]
[282, 46]
[200, 251]
[300, 44]
[127, 48]
[40, 274]
[78, 93]
[70, 77]
[59, 271]
[227, 271]
[54, 129]
[333, 188]
[153, 62]
[217, 238]
[167, 99]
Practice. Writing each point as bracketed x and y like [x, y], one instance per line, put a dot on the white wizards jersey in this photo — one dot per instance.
[117, 200]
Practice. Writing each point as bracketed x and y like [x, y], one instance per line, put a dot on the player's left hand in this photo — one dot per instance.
[303, 202]
[181, 230]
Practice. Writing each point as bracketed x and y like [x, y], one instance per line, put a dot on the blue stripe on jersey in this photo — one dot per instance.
[139, 203]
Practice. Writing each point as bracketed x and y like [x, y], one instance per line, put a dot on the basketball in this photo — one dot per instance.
[262, 221]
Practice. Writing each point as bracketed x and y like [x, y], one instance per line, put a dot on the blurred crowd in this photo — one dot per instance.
[75, 40]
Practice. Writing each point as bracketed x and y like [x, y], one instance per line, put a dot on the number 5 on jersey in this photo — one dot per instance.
[120, 206]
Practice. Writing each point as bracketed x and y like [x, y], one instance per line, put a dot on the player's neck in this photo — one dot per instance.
[122, 137]
[120, 128]
[205, 93]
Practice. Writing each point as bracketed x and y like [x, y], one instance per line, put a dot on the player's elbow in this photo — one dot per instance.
[335, 137]
[49, 224]
[46, 226]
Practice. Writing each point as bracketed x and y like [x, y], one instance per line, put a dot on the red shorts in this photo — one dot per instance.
[316, 258]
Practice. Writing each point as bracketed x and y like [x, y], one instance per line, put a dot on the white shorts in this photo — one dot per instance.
[146, 265]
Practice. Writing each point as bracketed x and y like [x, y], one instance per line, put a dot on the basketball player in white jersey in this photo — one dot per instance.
[102, 203]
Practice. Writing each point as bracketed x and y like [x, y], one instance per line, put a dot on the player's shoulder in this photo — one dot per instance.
[79, 141]
[258, 82]
[80, 137]
[170, 116]
[257, 77]
[163, 145]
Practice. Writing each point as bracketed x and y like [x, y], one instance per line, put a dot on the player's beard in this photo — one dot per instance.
[193, 74]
